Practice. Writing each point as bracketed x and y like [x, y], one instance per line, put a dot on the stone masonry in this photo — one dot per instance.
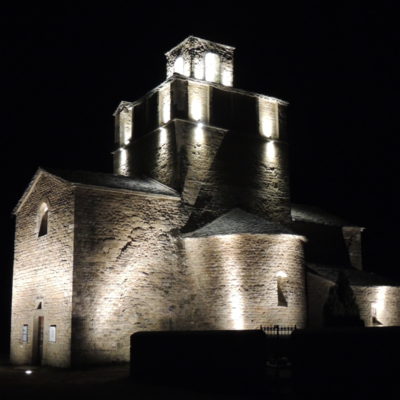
[239, 274]
[193, 230]
[43, 272]
[127, 275]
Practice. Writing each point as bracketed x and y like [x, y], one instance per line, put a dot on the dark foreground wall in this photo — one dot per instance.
[347, 360]
[202, 356]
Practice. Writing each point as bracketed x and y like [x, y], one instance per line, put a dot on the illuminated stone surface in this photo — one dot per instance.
[237, 273]
[202, 59]
[43, 271]
[208, 240]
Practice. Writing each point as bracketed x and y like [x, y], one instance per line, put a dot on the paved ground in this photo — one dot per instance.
[110, 381]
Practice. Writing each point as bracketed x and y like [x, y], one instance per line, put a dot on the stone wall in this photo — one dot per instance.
[155, 155]
[42, 280]
[217, 170]
[386, 300]
[235, 281]
[127, 275]
[226, 161]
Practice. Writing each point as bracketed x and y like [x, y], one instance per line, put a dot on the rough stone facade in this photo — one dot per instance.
[200, 159]
[127, 274]
[236, 279]
[194, 230]
[386, 301]
[114, 262]
[43, 271]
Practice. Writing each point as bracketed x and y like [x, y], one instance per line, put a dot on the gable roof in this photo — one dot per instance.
[355, 276]
[238, 221]
[100, 179]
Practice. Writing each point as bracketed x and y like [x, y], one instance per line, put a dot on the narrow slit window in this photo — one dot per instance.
[52, 333]
[44, 220]
[281, 283]
[25, 333]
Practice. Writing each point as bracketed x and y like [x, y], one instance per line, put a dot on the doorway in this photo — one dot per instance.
[37, 341]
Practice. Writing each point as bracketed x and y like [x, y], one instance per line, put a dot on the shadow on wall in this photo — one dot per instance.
[325, 244]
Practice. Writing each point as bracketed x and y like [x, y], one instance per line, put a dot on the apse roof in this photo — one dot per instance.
[238, 221]
[355, 276]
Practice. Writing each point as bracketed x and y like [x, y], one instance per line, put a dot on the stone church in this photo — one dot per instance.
[193, 230]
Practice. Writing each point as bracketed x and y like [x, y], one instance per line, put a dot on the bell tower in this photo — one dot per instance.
[201, 59]
[219, 146]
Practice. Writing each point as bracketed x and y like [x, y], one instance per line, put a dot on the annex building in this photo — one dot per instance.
[193, 230]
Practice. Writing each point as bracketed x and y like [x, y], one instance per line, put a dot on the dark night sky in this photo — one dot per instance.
[64, 70]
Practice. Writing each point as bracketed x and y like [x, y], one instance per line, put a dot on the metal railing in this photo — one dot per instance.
[278, 330]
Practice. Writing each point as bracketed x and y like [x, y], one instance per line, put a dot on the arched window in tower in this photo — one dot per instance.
[178, 65]
[212, 63]
[43, 219]
[198, 67]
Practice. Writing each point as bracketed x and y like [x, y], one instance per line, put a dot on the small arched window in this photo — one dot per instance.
[43, 219]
